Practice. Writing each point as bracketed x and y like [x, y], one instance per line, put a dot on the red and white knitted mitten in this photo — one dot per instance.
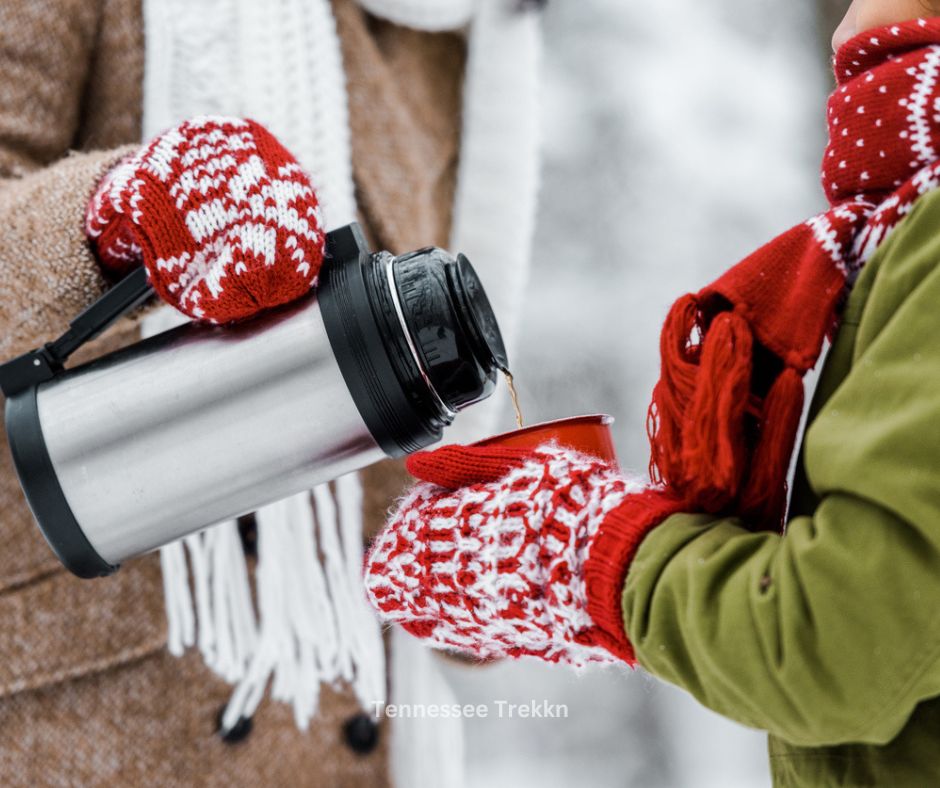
[511, 553]
[222, 216]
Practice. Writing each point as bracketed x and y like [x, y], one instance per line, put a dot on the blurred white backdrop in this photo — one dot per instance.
[678, 136]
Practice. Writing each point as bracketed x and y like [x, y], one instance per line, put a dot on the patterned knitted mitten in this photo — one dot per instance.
[510, 553]
[222, 216]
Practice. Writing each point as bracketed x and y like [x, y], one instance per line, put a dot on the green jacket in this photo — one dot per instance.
[828, 637]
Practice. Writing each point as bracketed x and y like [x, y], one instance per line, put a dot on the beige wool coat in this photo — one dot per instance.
[88, 693]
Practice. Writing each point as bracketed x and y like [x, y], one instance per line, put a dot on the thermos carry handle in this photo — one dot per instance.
[19, 379]
[42, 364]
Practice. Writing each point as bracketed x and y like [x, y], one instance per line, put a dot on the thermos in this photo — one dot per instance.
[203, 423]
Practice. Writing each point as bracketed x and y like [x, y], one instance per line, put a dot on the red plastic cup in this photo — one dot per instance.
[586, 434]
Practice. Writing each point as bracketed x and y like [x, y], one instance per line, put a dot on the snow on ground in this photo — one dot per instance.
[679, 135]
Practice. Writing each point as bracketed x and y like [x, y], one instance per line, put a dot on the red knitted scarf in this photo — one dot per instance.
[726, 410]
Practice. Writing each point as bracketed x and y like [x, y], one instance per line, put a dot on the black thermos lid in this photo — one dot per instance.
[451, 324]
[415, 337]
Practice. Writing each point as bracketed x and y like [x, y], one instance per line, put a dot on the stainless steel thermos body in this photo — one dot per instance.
[182, 432]
[204, 423]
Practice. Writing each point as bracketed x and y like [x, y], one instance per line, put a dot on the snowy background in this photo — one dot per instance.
[679, 136]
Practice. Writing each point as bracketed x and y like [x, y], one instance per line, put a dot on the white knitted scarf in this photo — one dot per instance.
[281, 64]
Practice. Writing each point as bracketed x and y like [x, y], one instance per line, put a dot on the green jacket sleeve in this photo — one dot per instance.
[831, 633]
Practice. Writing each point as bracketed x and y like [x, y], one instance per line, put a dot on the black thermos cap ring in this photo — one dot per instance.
[415, 337]
[452, 325]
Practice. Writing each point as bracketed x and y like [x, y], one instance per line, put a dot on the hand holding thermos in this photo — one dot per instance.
[221, 215]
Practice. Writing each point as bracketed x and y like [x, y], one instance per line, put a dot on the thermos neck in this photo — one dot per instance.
[414, 336]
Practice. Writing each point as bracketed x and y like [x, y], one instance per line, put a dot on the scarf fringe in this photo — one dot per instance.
[216, 613]
[313, 625]
[698, 427]
[713, 441]
[696, 419]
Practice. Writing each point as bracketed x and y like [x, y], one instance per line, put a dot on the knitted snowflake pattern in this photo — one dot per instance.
[222, 216]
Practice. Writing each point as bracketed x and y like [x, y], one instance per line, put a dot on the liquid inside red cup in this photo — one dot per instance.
[586, 434]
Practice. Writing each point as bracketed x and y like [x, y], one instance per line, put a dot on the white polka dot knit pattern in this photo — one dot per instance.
[882, 153]
[496, 569]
